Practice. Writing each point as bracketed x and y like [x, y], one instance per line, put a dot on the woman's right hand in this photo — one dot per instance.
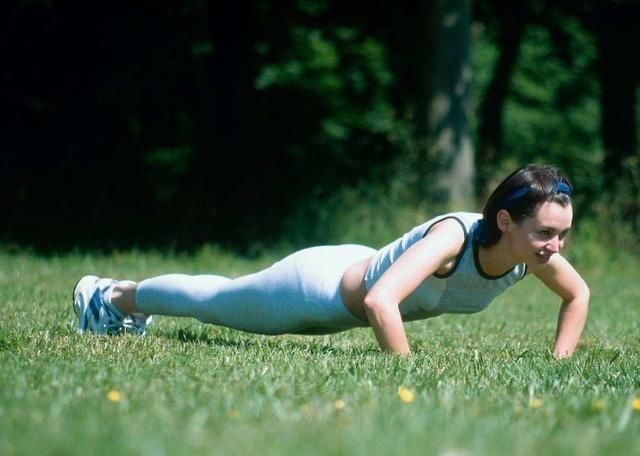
[437, 250]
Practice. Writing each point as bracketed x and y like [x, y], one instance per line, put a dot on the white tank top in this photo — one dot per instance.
[465, 289]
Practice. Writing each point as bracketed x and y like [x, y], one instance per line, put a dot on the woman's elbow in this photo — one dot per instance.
[579, 300]
[374, 304]
[371, 304]
[584, 293]
[579, 292]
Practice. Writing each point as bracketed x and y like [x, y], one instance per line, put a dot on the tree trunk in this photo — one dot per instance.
[512, 23]
[443, 111]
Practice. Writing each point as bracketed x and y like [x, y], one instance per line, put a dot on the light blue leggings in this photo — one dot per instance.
[298, 294]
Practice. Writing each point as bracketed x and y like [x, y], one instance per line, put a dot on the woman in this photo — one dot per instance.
[454, 263]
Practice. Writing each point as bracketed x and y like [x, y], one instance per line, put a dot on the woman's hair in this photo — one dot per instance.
[521, 194]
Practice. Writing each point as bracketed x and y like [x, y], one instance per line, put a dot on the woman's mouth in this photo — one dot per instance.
[543, 257]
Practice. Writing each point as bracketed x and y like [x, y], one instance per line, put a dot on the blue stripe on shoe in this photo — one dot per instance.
[94, 304]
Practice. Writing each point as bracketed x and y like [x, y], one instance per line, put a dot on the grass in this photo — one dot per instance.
[480, 384]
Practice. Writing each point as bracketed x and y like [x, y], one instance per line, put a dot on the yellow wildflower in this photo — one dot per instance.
[535, 403]
[406, 395]
[597, 404]
[114, 396]
[635, 404]
[339, 405]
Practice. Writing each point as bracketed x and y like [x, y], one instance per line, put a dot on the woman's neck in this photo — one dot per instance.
[496, 260]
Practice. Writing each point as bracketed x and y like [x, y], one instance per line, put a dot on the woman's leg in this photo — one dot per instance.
[297, 294]
[264, 302]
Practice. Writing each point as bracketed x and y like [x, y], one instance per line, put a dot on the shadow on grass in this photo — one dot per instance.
[241, 340]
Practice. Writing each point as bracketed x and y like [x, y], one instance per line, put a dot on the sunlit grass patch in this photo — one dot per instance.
[478, 384]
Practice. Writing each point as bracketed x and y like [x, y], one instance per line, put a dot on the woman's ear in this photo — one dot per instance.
[503, 220]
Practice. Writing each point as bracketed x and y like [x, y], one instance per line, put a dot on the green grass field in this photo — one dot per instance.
[475, 385]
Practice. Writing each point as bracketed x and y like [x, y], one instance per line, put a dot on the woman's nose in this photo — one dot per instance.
[554, 245]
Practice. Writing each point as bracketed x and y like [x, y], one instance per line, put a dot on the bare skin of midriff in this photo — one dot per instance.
[353, 289]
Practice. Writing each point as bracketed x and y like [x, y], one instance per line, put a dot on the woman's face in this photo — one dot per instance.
[536, 238]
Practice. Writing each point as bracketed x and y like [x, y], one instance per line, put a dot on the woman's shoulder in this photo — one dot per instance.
[454, 227]
[466, 220]
[462, 223]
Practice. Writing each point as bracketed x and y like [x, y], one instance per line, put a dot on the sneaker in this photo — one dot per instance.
[96, 313]
[136, 323]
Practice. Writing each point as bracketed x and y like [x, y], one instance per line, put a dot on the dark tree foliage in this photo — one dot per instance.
[577, 55]
[618, 35]
[98, 96]
[207, 120]
[155, 122]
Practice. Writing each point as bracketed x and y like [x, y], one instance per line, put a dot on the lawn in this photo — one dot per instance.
[475, 385]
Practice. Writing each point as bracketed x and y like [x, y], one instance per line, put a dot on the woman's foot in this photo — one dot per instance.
[97, 314]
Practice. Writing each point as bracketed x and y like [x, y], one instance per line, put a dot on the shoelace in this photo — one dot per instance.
[108, 320]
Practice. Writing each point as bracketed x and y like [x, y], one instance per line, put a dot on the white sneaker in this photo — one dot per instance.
[96, 314]
[136, 323]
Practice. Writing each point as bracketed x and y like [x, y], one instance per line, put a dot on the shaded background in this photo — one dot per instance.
[176, 123]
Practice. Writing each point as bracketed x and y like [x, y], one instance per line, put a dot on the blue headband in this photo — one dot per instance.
[561, 187]
[558, 187]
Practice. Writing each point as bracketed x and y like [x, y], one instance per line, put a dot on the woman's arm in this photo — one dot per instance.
[433, 252]
[565, 281]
